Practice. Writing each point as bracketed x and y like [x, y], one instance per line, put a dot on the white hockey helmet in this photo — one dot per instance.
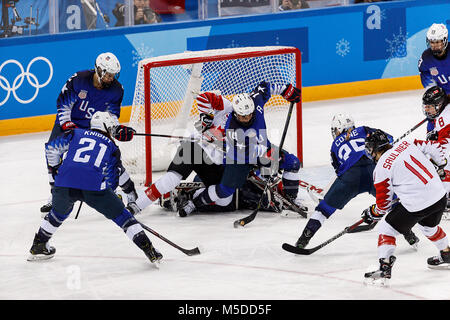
[340, 123]
[243, 104]
[104, 121]
[437, 32]
[107, 63]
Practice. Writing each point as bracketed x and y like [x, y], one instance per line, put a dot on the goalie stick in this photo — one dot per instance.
[242, 222]
[189, 252]
[304, 251]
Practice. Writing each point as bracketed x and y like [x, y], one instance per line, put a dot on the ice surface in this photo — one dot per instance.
[95, 260]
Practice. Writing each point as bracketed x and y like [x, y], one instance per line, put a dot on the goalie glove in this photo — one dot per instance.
[123, 133]
[291, 93]
[69, 125]
[371, 214]
[205, 122]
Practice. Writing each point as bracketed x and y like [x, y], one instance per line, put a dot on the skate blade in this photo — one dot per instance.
[442, 266]
[39, 257]
[379, 282]
[415, 246]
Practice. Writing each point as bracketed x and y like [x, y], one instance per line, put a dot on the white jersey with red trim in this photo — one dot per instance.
[221, 108]
[407, 172]
[442, 127]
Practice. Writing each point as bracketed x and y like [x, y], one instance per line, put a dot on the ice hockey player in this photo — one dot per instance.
[85, 93]
[434, 102]
[247, 145]
[354, 172]
[434, 64]
[89, 172]
[421, 194]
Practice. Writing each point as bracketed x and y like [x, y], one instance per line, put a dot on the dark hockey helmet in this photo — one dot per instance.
[434, 101]
[376, 141]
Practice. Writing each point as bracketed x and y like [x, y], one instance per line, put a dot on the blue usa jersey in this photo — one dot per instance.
[345, 153]
[246, 144]
[80, 99]
[435, 71]
[91, 161]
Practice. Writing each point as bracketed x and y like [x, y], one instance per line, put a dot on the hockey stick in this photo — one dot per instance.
[410, 130]
[303, 251]
[242, 222]
[167, 136]
[189, 252]
[79, 208]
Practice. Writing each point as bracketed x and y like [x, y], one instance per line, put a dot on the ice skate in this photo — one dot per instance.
[304, 239]
[440, 262]
[40, 250]
[152, 254]
[412, 239]
[382, 276]
[46, 207]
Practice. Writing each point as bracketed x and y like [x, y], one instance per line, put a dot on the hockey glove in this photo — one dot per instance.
[205, 122]
[432, 135]
[440, 169]
[69, 125]
[291, 93]
[370, 214]
[123, 133]
[208, 101]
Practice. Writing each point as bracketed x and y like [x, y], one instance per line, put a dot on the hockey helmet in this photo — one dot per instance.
[107, 66]
[243, 107]
[340, 123]
[437, 32]
[376, 141]
[434, 101]
[104, 121]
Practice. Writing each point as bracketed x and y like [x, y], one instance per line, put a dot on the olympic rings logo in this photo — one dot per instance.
[31, 78]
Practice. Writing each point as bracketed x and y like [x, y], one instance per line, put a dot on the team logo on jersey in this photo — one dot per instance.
[82, 94]
[434, 71]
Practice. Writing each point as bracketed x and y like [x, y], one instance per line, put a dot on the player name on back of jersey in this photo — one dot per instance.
[97, 134]
[394, 154]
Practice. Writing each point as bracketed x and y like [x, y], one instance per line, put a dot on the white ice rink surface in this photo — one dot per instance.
[95, 260]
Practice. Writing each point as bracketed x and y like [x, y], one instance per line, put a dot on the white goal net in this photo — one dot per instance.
[166, 87]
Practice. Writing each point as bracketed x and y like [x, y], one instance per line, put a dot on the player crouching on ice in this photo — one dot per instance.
[404, 169]
[89, 173]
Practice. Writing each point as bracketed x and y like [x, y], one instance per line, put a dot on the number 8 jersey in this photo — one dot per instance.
[91, 160]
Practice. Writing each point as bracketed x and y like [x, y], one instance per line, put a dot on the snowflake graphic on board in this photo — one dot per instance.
[233, 44]
[397, 45]
[342, 47]
[141, 52]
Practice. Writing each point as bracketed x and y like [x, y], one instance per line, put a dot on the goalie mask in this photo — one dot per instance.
[437, 39]
[376, 141]
[104, 121]
[107, 68]
[434, 101]
[243, 109]
[340, 123]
